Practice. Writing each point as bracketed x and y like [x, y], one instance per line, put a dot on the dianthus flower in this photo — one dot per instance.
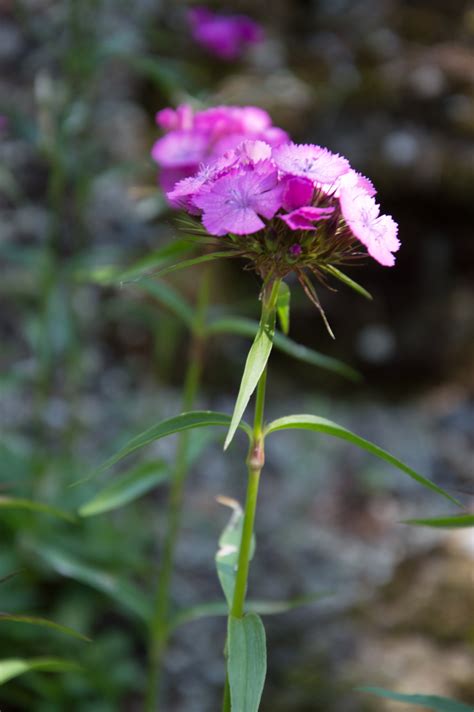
[289, 208]
[225, 36]
[194, 140]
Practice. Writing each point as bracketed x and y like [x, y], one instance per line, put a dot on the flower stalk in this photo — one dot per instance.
[255, 463]
[159, 626]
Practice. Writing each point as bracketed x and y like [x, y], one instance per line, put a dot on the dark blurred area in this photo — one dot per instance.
[390, 85]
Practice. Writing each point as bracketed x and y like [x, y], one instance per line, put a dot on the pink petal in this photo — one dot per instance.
[297, 192]
[310, 161]
[304, 218]
[180, 148]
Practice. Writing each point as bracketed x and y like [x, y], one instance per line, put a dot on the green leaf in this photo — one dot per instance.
[126, 488]
[185, 421]
[459, 521]
[13, 667]
[254, 366]
[321, 425]
[42, 622]
[249, 327]
[283, 307]
[263, 608]
[228, 553]
[247, 662]
[40, 507]
[431, 702]
[169, 297]
[347, 280]
[115, 274]
[117, 588]
[210, 257]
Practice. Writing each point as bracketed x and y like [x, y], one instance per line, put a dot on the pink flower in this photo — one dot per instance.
[251, 152]
[297, 192]
[225, 36]
[232, 119]
[309, 161]
[234, 202]
[180, 148]
[172, 120]
[183, 192]
[305, 217]
[354, 180]
[377, 232]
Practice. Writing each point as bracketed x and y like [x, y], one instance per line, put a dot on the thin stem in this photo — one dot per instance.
[255, 462]
[159, 630]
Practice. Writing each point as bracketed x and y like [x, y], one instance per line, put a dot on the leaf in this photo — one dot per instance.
[321, 425]
[254, 366]
[330, 269]
[228, 553]
[431, 702]
[168, 297]
[248, 327]
[120, 590]
[115, 274]
[263, 608]
[40, 507]
[126, 488]
[13, 667]
[185, 421]
[42, 622]
[210, 257]
[283, 307]
[458, 521]
[247, 662]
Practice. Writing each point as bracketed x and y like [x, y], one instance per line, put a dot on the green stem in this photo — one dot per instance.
[255, 462]
[159, 630]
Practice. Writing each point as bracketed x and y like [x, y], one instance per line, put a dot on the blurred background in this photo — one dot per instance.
[85, 365]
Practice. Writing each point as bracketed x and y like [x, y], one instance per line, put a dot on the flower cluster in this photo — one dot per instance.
[225, 36]
[288, 207]
[195, 140]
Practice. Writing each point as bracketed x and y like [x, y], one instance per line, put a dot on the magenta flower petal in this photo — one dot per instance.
[309, 161]
[226, 36]
[169, 177]
[176, 120]
[377, 232]
[180, 148]
[234, 202]
[182, 193]
[297, 192]
[305, 217]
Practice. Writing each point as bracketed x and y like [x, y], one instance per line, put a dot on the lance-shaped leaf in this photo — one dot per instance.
[430, 702]
[246, 662]
[168, 297]
[115, 587]
[115, 274]
[228, 553]
[283, 307]
[42, 623]
[248, 327]
[126, 488]
[13, 667]
[185, 421]
[254, 366]
[457, 521]
[262, 608]
[328, 427]
[32, 506]
[210, 257]
[330, 269]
